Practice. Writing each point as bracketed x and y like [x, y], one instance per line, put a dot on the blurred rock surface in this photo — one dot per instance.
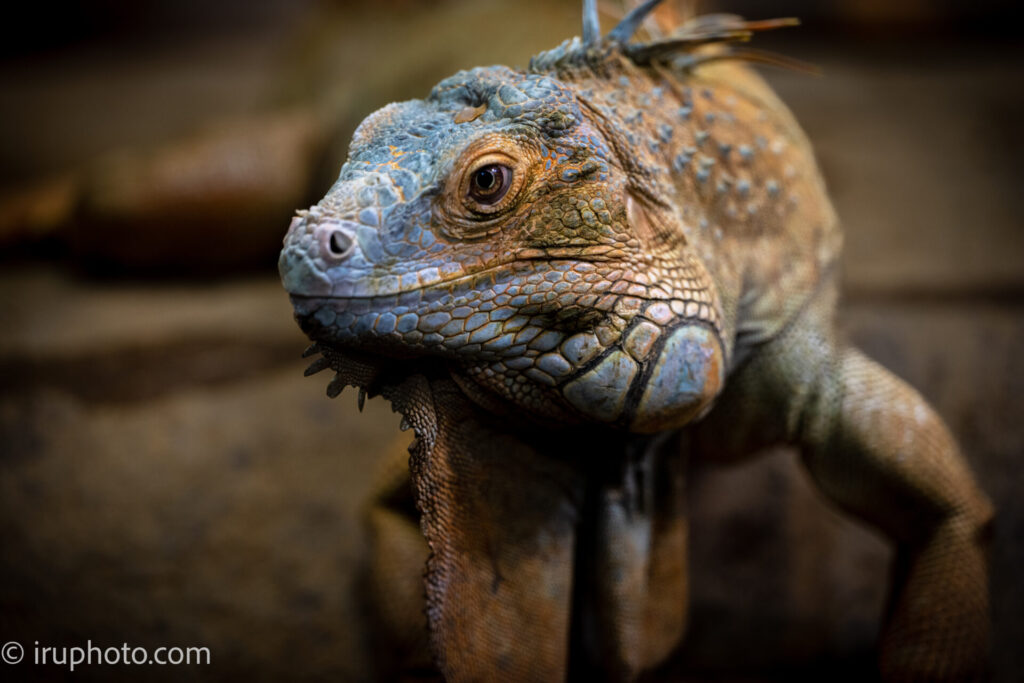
[165, 190]
[202, 204]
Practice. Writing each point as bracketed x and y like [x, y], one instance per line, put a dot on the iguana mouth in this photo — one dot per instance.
[526, 262]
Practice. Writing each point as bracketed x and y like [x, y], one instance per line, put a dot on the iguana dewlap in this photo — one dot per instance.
[568, 279]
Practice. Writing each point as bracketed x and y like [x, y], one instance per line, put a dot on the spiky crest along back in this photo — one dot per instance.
[683, 48]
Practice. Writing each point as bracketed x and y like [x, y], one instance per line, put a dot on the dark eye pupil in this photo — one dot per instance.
[488, 178]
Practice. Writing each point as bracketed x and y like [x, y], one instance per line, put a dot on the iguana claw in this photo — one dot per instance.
[316, 366]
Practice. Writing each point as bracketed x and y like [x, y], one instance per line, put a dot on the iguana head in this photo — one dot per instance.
[514, 230]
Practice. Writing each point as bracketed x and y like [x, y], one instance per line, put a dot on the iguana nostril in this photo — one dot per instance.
[339, 244]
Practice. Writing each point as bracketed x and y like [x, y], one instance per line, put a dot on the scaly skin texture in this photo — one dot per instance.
[551, 273]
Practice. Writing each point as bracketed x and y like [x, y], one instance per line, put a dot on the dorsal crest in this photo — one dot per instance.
[684, 47]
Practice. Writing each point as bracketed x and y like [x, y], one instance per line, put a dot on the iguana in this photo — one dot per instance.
[571, 278]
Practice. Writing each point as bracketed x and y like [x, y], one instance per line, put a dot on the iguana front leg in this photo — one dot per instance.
[876, 448]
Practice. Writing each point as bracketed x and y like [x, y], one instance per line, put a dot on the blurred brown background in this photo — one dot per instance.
[167, 476]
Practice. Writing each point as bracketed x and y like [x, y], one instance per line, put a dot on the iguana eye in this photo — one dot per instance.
[490, 183]
[491, 175]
